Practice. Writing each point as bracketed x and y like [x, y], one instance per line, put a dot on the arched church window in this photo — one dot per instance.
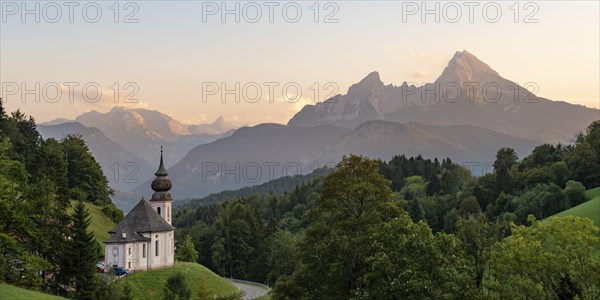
[158, 210]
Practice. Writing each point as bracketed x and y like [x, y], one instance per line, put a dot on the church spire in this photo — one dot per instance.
[161, 184]
[161, 168]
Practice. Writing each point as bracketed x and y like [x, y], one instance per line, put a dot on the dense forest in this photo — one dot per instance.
[44, 241]
[415, 228]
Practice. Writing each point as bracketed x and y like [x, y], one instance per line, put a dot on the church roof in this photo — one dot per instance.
[130, 236]
[141, 219]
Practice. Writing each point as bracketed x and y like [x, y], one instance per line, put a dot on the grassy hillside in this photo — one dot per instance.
[150, 284]
[16, 293]
[100, 224]
[589, 209]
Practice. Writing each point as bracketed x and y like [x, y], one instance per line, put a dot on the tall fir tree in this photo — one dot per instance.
[82, 255]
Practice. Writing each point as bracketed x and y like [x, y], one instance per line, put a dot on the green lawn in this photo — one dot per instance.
[100, 224]
[150, 284]
[15, 293]
[589, 209]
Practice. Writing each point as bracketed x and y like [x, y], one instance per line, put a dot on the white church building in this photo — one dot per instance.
[145, 239]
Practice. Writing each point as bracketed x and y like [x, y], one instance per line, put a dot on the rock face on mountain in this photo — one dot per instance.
[468, 92]
[367, 100]
[143, 131]
[123, 169]
[135, 122]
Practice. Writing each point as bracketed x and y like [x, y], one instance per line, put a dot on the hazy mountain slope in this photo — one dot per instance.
[276, 186]
[467, 92]
[462, 143]
[252, 155]
[127, 200]
[128, 169]
[57, 121]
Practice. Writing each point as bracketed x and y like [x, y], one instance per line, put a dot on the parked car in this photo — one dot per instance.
[100, 267]
[119, 271]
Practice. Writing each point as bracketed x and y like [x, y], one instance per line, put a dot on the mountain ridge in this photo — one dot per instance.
[143, 132]
[468, 91]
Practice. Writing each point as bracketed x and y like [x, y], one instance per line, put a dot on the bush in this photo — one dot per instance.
[575, 192]
[114, 213]
[176, 288]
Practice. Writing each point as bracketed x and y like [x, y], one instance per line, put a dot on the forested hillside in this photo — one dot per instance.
[45, 244]
[415, 228]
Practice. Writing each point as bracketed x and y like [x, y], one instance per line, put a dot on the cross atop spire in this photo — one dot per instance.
[161, 168]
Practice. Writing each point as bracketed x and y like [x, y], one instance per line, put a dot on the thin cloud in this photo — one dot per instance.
[420, 74]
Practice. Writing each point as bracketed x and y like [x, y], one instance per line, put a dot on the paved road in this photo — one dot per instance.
[250, 291]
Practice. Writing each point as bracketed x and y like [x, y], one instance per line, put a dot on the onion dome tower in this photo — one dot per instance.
[161, 199]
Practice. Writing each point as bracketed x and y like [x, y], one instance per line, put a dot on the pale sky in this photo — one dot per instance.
[171, 54]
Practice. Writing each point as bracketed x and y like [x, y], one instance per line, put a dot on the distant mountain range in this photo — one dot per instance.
[467, 114]
[258, 154]
[468, 92]
[143, 131]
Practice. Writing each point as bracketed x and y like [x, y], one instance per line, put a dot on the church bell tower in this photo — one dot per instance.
[161, 199]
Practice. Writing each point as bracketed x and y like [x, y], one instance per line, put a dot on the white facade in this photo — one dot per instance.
[141, 256]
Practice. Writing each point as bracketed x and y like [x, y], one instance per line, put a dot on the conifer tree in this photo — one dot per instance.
[82, 254]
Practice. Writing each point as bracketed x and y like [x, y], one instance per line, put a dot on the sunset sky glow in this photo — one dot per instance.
[171, 53]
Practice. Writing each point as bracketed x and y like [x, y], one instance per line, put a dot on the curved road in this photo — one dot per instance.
[250, 291]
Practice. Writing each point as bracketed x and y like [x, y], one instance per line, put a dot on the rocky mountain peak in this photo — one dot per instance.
[465, 67]
[366, 86]
[370, 81]
[219, 120]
